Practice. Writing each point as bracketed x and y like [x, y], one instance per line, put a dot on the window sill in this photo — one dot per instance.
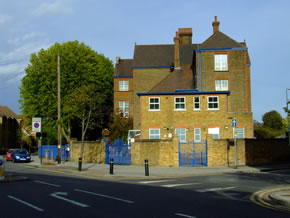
[213, 109]
[179, 110]
[196, 109]
[154, 110]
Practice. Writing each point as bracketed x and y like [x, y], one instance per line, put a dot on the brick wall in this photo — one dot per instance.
[93, 151]
[267, 151]
[144, 81]
[157, 152]
[167, 119]
[221, 152]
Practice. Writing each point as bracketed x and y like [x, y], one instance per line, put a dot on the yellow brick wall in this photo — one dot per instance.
[238, 75]
[123, 96]
[144, 81]
[167, 119]
[221, 152]
[157, 152]
[93, 151]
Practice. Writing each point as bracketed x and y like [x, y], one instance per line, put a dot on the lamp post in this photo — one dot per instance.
[287, 111]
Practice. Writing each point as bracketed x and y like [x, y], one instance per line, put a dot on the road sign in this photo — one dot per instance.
[36, 124]
[234, 122]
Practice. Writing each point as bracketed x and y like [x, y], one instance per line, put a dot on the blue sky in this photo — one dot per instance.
[112, 28]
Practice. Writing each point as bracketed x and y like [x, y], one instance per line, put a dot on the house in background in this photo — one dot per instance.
[9, 126]
[185, 88]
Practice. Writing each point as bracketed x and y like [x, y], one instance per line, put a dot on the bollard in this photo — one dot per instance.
[80, 163]
[146, 167]
[2, 168]
[111, 166]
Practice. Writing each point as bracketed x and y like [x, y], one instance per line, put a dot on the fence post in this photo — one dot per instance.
[146, 167]
[111, 166]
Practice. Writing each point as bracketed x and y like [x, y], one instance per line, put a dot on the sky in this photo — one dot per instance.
[112, 27]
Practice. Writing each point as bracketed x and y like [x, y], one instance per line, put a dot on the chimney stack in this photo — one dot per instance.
[185, 35]
[216, 25]
[176, 51]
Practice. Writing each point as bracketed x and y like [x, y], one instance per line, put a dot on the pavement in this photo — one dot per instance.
[277, 198]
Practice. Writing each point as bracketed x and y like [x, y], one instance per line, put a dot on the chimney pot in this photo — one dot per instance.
[216, 25]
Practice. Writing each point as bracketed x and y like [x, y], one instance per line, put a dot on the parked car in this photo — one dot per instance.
[9, 154]
[21, 155]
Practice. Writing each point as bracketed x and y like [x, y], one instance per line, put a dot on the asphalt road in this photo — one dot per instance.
[49, 194]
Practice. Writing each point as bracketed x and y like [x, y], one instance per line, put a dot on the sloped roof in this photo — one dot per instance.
[161, 55]
[124, 68]
[220, 40]
[153, 55]
[5, 111]
[178, 79]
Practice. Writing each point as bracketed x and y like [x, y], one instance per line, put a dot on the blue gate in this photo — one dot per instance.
[51, 151]
[193, 154]
[119, 151]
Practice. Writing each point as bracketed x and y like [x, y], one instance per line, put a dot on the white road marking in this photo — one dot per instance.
[155, 181]
[184, 215]
[175, 185]
[45, 183]
[105, 196]
[56, 195]
[213, 189]
[26, 203]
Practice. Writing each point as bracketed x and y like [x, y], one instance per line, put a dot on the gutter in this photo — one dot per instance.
[186, 93]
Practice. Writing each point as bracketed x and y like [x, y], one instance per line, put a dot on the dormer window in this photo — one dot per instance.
[221, 62]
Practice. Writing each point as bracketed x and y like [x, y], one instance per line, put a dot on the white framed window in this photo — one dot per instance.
[124, 109]
[154, 104]
[221, 62]
[221, 85]
[154, 133]
[197, 134]
[215, 132]
[181, 132]
[179, 104]
[240, 133]
[196, 103]
[123, 85]
[213, 102]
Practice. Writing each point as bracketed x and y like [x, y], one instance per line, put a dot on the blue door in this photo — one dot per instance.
[193, 154]
[119, 151]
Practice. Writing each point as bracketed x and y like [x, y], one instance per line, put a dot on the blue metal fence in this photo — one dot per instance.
[193, 154]
[119, 151]
[51, 151]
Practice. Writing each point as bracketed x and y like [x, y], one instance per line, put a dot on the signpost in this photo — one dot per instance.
[234, 124]
[36, 127]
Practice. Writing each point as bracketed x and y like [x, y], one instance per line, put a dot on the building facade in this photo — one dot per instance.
[185, 88]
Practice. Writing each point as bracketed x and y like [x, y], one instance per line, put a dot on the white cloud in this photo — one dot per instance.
[54, 8]
[4, 18]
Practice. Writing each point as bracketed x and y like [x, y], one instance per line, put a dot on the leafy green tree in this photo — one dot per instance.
[79, 66]
[119, 126]
[273, 125]
[273, 120]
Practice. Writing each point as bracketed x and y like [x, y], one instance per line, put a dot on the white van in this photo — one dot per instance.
[131, 134]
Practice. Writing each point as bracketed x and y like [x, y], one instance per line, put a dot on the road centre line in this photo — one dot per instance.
[214, 189]
[175, 185]
[105, 196]
[45, 183]
[184, 215]
[155, 181]
[26, 203]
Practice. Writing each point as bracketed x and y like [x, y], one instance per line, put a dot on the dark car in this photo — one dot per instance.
[9, 154]
[21, 155]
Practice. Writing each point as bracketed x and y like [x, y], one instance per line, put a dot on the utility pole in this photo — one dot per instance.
[58, 112]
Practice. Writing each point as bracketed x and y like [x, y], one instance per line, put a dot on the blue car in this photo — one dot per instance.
[21, 155]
